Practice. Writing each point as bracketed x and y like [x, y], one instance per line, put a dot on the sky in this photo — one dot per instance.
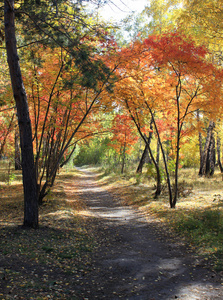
[118, 9]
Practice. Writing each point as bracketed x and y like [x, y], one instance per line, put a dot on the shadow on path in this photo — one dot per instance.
[135, 259]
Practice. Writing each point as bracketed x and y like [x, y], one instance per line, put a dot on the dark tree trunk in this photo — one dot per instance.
[208, 155]
[28, 169]
[212, 159]
[145, 153]
[158, 179]
[200, 149]
[219, 154]
[200, 138]
[158, 152]
[142, 161]
[18, 165]
[123, 157]
[68, 158]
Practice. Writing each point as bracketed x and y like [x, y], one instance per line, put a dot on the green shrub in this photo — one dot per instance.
[92, 153]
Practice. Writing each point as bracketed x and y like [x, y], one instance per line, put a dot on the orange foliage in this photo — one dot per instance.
[168, 75]
[123, 133]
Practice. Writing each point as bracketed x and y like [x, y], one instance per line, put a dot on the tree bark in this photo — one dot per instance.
[142, 161]
[145, 153]
[208, 154]
[28, 169]
[18, 165]
[158, 152]
[123, 156]
[212, 159]
[219, 154]
[200, 138]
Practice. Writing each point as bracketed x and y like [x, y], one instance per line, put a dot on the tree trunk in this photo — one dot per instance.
[158, 179]
[176, 165]
[145, 153]
[18, 165]
[142, 161]
[158, 152]
[200, 138]
[200, 149]
[28, 169]
[219, 154]
[68, 158]
[212, 159]
[123, 156]
[208, 155]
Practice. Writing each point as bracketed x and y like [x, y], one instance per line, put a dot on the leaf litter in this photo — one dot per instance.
[45, 263]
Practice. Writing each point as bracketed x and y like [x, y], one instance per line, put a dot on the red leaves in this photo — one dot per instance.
[123, 132]
[177, 50]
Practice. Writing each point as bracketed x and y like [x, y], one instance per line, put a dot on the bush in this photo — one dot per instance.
[92, 153]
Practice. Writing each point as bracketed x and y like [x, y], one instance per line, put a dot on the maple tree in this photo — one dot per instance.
[123, 136]
[59, 107]
[168, 78]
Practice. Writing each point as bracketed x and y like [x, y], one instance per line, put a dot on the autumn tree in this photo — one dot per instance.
[192, 81]
[29, 176]
[61, 110]
[168, 78]
[123, 136]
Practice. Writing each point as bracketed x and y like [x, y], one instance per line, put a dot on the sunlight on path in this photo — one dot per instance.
[136, 258]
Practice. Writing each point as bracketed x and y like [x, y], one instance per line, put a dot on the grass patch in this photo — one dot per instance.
[203, 227]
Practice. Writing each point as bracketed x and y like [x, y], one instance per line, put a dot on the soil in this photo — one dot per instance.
[136, 256]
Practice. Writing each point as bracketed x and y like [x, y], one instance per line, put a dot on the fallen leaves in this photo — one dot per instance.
[44, 263]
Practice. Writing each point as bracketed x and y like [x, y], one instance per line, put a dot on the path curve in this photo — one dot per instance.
[135, 259]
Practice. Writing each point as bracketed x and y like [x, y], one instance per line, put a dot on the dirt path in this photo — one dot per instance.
[135, 259]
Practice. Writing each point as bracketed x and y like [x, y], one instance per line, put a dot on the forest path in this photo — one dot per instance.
[135, 258]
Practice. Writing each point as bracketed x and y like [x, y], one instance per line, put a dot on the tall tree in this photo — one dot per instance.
[28, 168]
